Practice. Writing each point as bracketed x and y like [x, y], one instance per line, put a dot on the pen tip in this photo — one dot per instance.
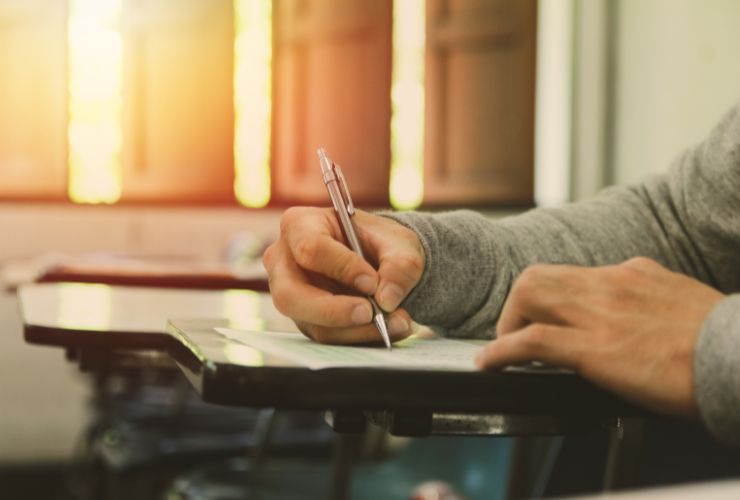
[380, 323]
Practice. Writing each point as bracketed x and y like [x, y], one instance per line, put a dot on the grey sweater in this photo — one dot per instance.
[688, 219]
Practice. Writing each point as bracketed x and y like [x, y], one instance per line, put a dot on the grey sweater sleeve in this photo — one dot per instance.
[688, 219]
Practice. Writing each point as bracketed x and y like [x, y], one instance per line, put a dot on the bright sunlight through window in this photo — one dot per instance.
[407, 101]
[252, 100]
[95, 90]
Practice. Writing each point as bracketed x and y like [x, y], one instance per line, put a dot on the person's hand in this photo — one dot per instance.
[316, 280]
[629, 328]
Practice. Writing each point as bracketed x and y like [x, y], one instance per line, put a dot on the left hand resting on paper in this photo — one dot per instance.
[629, 328]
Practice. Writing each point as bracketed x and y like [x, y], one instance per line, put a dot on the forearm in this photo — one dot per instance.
[686, 219]
[473, 261]
[717, 371]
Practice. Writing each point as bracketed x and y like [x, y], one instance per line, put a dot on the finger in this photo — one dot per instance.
[399, 273]
[544, 293]
[398, 254]
[399, 327]
[550, 344]
[322, 254]
[524, 296]
[295, 296]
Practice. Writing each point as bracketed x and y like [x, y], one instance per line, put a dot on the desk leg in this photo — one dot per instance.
[263, 431]
[346, 448]
[623, 456]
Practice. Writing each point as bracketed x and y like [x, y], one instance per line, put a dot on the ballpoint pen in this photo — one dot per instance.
[345, 210]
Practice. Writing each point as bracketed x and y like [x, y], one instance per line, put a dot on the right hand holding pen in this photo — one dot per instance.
[318, 281]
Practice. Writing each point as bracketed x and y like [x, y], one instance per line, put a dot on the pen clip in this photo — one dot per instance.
[344, 190]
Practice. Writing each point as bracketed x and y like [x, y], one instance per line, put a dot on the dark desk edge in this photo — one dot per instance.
[288, 386]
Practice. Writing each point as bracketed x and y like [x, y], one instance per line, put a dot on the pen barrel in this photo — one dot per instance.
[345, 219]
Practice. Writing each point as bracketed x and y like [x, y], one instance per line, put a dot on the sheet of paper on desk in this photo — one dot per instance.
[416, 353]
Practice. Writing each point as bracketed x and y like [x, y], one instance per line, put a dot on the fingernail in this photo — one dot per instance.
[362, 314]
[366, 284]
[390, 296]
[397, 325]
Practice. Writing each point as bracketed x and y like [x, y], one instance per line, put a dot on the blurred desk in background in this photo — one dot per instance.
[161, 271]
[149, 424]
[112, 329]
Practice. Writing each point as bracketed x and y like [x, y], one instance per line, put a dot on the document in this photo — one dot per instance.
[418, 352]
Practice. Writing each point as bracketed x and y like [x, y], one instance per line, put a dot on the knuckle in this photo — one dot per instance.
[621, 273]
[320, 334]
[331, 315]
[402, 269]
[305, 329]
[534, 337]
[630, 271]
[268, 256]
[292, 216]
[280, 299]
[411, 264]
[526, 284]
[306, 251]
[642, 263]
[345, 267]
[288, 217]
[532, 274]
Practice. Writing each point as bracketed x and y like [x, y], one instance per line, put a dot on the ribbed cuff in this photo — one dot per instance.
[717, 371]
[458, 271]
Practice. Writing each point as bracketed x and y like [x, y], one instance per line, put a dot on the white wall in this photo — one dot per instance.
[553, 107]
[677, 71]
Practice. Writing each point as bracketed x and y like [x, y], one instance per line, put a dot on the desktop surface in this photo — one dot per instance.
[77, 315]
[227, 372]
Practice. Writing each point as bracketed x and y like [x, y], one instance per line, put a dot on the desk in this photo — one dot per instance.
[101, 319]
[406, 402]
[81, 315]
[103, 327]
[74, 315]
[115, 329]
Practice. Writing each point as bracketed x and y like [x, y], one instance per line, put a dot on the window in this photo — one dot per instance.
[226, 101]
[33, 117]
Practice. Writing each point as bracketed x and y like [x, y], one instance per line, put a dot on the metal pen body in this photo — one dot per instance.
[345, 210]
[345, 219]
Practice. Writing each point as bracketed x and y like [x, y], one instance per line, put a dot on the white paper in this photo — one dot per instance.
[414, 353]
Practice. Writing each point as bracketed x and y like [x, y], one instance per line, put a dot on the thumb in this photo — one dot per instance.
[399, 273]
[399, 256]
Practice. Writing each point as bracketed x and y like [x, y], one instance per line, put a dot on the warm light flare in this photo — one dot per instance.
[242, 309]
[252, 100]
[407, 101]
[95, 49]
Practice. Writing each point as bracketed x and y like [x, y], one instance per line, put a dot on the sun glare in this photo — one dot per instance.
[242, 309]
[252, 100]
[94, 134]
[95, 47]
[407, 102]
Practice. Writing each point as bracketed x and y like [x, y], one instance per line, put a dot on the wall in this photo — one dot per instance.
[676, 73]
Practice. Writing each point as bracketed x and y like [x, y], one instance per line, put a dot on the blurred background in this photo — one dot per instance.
[179, 127]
